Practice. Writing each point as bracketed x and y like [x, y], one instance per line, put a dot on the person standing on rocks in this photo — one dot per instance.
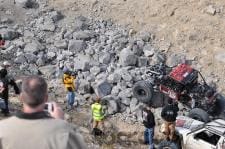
[2, 42]
[33, 128]
[169, 114]
[149, 123]
[69, 83]
[5, 81]
[97, 114]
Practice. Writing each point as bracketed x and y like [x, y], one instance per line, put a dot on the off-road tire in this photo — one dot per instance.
[143, 91]
[167, 145]
[199, 114]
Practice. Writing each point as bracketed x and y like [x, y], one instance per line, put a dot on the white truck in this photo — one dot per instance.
[194, 134]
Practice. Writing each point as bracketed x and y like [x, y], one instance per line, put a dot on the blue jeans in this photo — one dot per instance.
[148, 137]
[70, 98]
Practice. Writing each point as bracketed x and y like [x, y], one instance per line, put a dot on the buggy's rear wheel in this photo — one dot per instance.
[143, 91]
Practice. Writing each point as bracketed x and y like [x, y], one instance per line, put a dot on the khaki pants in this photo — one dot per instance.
[98, 123]
[168, 128]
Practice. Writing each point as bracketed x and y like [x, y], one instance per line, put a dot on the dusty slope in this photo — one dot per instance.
[186, 25]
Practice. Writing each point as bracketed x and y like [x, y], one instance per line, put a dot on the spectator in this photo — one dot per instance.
[149, 123]
[69, 83]
[35, 129]
[97, 115]
[5, 81]
[169, 114]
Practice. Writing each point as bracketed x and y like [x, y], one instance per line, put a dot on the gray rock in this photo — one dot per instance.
[125, 101]
[33, 47]
[81, 23]
[48, 71]
[25, 3]
[148, 50]
[51, 55]
[133, 104]
[105, 58]
[83, 35]
[83, 86]
[127, 77]
[56, 16]
[176, 59]
[103, 88]
[61, 44]
[82, 62]
[142, 61]
[33, 69]
[127, 58]
[158, 58]
[76, 45]
[10, 34]
[114, 78]
[95, 70]
[6, 20]
[211, 10]
[30, 58]
[220, 57]
[20, 59]
[47, 24]
[126, 93]
[112, 107]
[116, 90]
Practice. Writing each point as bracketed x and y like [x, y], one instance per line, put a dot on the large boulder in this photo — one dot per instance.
[83, 86]
[9, 34]
[76, 45]
[112, 104]
[82, 62]
[83, 35]
[103, 88]
[25, 3]
[34, 47]
[127, 58]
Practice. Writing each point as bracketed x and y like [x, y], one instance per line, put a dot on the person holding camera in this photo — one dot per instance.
[69, 83]
[33, 128]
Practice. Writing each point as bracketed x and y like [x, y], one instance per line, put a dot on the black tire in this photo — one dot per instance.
[167, 145]
[199, 114]
[143, 91]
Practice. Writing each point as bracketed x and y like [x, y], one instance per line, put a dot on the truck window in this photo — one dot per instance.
[208, 137]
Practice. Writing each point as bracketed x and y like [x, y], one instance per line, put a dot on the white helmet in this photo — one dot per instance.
[6, 63]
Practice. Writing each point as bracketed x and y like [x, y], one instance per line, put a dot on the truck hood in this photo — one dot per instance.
[185, 125]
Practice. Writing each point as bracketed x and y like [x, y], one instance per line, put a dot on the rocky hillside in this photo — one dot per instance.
[193, 29]
[110, 45]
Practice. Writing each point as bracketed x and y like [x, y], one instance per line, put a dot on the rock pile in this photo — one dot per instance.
[108, 59]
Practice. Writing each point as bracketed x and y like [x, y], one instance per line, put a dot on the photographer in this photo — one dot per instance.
[69, 83]
[33, 128]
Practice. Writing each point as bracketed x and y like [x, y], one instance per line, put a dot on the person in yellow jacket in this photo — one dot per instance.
[68, 81]
[97, 114]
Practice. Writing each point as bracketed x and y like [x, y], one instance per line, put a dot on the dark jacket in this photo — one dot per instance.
[148, 119]
[169, 112]
[7, 81]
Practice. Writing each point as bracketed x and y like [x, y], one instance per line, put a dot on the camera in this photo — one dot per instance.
[48, 107]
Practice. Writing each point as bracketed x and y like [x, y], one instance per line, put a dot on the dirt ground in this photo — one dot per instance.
[192, 27]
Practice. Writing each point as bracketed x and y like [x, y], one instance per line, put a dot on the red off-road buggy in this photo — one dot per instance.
[181, 83]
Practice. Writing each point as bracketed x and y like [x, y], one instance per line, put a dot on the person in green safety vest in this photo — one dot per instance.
[97, 114]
